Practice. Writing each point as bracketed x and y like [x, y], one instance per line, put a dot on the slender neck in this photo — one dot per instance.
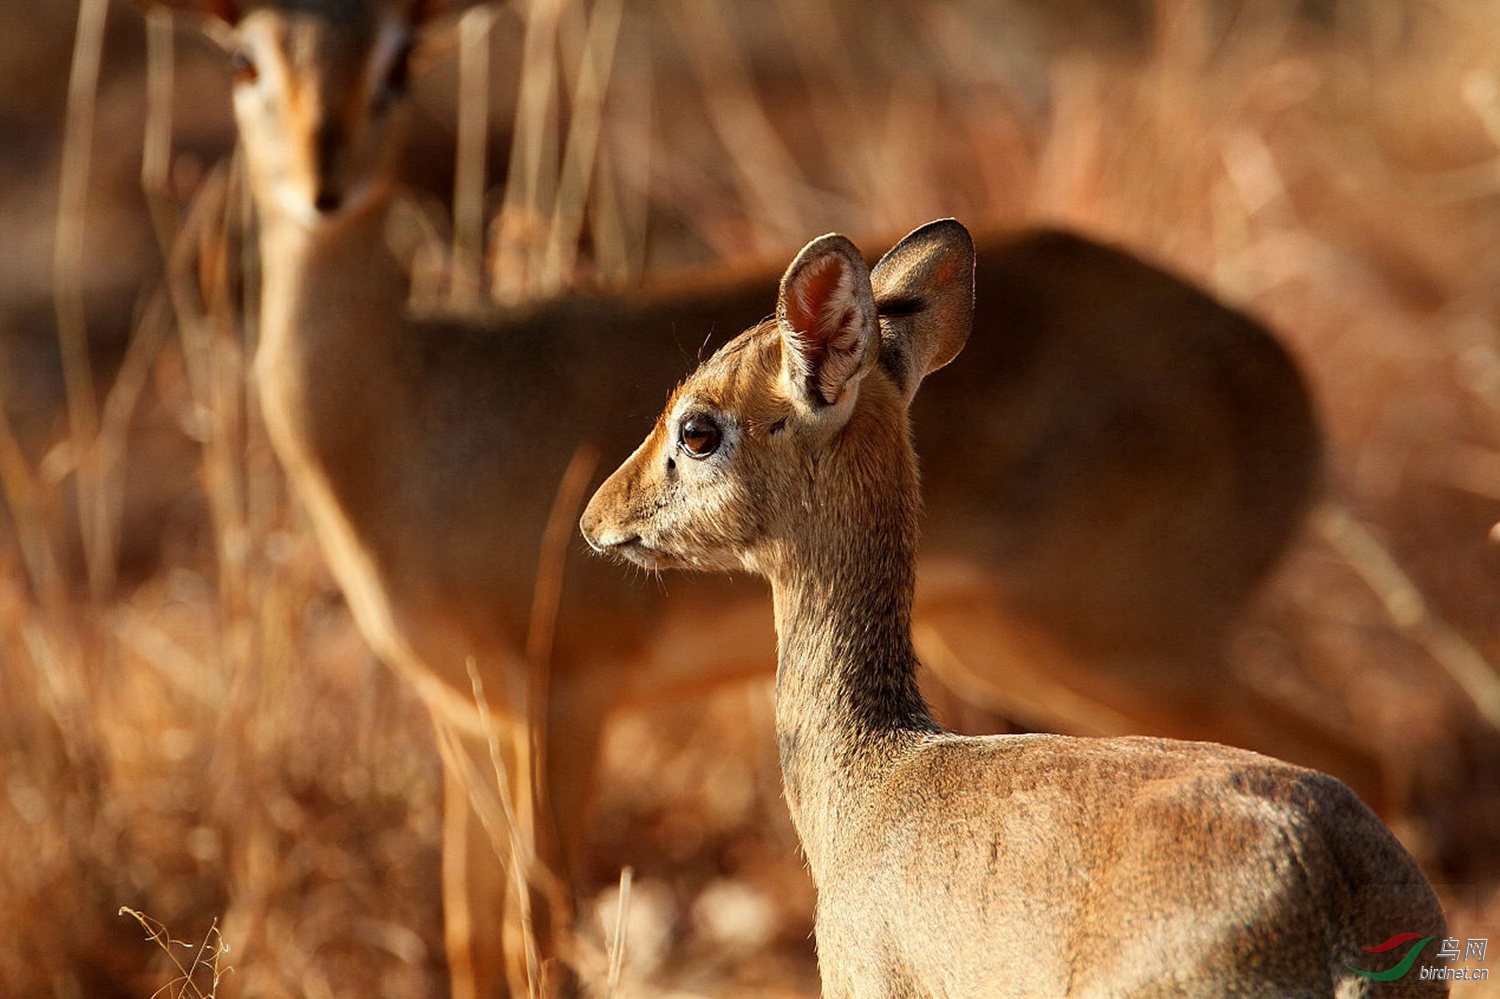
[846, 685]
[338, 278]
[333, 365]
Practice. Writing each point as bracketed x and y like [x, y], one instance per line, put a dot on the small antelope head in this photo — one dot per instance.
[754, 443]
[319, 94]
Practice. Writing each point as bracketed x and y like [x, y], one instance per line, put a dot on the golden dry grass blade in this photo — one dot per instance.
[1409, 610]
[622, 186]
[130, 383]
[530, 187]
[216, 373]
[580, 154]
[207, 957]
[156, 156]
[556, 539]
[498, 813]
[618, 942]
[468, 181]
[28, 512]
[67, 277]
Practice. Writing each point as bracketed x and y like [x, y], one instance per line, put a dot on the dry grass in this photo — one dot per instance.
[191, 727]
[197, 979]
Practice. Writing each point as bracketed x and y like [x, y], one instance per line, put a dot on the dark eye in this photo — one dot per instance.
[397, 81]
[243, 66]
[699, 436]
[398, 77]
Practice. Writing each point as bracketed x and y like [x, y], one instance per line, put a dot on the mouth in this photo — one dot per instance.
[633, 549]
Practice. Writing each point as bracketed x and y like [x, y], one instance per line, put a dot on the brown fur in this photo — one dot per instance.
[997, 866]
[428, 453]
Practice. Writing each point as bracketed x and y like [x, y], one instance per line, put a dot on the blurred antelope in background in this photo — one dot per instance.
[974, 866]
[1148, 454]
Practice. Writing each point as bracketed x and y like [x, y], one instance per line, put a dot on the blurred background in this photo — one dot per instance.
[190, 725]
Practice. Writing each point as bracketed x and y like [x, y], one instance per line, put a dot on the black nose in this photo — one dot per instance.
[329, 140]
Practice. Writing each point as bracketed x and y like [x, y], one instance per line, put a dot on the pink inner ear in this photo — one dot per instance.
[808, 307]
[822, 311]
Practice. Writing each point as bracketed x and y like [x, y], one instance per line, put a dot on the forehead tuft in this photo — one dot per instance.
[740, 370]
[315, 30]
[331, 41]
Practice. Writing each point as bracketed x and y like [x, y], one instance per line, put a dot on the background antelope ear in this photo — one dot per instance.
[924, 294]
[826, 313]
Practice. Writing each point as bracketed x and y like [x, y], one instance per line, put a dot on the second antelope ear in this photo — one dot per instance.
[826, 314]
[924, 290]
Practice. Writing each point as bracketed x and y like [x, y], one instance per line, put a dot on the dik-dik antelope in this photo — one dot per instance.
[945, 865]
[1157, 452]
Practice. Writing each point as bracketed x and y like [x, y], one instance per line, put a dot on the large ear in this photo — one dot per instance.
[924, 293]
[826, 314]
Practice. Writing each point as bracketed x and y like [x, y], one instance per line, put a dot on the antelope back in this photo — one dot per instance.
[1127, 455]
